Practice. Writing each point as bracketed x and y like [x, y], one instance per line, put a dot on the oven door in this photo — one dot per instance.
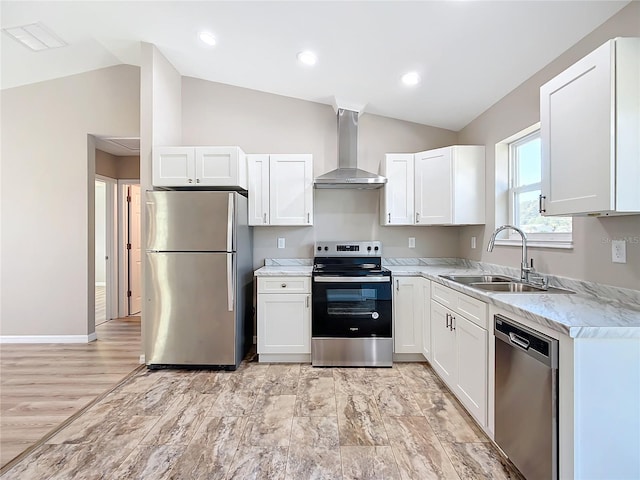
[351, 306]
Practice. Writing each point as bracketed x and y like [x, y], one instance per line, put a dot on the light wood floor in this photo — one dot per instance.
[42, 385]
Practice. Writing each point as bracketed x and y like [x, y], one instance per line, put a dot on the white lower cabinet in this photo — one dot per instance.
[408, 305]
[460, 349]
[284, 319]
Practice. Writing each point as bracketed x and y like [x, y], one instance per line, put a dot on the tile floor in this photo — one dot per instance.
[272, 422]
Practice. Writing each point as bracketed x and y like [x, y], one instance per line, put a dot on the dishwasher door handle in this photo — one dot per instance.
[519, 341]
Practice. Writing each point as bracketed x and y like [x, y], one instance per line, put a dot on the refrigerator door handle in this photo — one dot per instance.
[230, 216]
[230, 283]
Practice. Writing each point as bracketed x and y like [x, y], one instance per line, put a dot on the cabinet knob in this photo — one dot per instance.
[284, 285]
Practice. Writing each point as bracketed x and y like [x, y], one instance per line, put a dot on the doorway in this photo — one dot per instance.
[105, 256]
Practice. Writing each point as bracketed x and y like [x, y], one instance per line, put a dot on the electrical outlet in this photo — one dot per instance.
[619, 251]
[412, 242]
[473, 242]
[281, 242]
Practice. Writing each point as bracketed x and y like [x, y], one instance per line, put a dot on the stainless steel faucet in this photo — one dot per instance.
[525, 269]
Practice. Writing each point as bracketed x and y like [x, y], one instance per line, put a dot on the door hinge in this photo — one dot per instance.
[128, 246]
[128, 293]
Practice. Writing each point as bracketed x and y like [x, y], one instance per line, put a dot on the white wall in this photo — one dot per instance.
[590, 258]
[47, 195]
[217, 114]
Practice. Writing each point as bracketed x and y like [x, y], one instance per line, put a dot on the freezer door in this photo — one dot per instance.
[191, 314]
[193, 221]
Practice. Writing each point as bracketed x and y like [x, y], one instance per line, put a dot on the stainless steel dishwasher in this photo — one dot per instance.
[526, 398]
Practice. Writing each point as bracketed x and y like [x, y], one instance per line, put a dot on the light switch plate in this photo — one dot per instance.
[618, 251]
[281, 242]
[412, 242]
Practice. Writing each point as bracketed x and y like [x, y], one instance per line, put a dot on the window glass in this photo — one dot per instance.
[525, 165]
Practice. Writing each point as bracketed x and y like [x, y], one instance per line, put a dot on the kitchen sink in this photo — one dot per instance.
[468, 279]
[516, 287]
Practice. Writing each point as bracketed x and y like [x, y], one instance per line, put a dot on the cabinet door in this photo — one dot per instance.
[442, 344]
[396, 201]
[471, 359]
[433, 187]
[426, 318]
[576, 127]
[258, 166]
[407, 305]
[291, 189]
[173, 166]
[284, 323]
[220, 167]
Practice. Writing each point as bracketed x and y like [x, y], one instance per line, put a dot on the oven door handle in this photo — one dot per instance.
[380, 279]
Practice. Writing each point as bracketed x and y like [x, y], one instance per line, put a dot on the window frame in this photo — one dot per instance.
[507, 149]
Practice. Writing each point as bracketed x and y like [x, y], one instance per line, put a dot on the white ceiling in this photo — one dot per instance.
[469, 53]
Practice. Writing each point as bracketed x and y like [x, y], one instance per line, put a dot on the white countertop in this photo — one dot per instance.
[575, 315]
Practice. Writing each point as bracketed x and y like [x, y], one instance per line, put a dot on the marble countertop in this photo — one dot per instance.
[594, 311]
[577, 315]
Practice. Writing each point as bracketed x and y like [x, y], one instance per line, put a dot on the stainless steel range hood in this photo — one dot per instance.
[348, 175]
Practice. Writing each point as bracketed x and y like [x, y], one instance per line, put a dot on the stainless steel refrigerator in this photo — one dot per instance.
[199, 262]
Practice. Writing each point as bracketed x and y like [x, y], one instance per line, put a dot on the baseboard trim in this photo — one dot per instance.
[48, 338]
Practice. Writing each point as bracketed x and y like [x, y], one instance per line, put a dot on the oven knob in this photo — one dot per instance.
[319, 249]
[376, 248]
[375, 315]
[326, 249]
[369, 248]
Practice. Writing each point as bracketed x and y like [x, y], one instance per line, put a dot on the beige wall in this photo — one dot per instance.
[217, 114]
[119, 167]
[590, 259]
[47, 199]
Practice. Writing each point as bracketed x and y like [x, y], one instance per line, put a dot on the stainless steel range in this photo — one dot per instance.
[351, 317]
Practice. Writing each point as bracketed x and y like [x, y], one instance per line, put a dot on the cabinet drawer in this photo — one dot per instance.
[472, 309]
[443, 295]
[284, 284]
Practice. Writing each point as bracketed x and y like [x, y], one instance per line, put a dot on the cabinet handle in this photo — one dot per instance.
[453, 325]
[540, 208]
[308, 217]
[307, 301]
[191, 180]
[389, 218]
[264, 217]
[397, 285]
[447, 316]
[197, 180]
[284, 285]
[417, 217]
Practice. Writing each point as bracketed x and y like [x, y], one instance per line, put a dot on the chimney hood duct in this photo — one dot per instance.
[347, 175]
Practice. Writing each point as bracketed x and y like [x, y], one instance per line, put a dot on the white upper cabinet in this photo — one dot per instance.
[397, 204]
[280, 189]
[590, 129]
[444, 186]
[199, 167]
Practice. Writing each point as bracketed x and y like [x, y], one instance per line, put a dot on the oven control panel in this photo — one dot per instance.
[348, 249]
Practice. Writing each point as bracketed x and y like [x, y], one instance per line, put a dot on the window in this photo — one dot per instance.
[525, 180]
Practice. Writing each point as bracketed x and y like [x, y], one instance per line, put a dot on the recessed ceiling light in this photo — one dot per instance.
[411, 78]
[307, 57]
[207, 38]
[35, 36]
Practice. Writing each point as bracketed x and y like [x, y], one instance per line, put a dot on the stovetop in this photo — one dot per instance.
[349, 259]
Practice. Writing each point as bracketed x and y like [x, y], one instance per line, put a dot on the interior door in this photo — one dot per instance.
[134, 250]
